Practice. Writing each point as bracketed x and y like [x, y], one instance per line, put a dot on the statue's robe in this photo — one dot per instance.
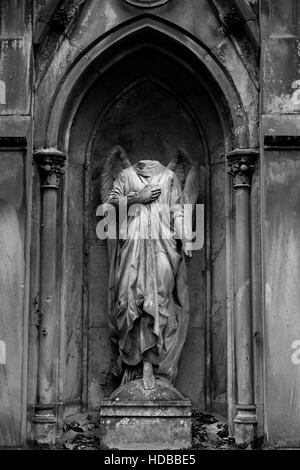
[148, 297]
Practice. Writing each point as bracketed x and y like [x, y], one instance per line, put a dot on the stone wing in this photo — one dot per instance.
[116, 162]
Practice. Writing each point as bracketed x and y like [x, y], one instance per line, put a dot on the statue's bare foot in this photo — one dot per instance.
[148, 376]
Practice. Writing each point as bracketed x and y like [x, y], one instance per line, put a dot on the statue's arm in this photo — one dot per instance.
[120, 192]
[114, 199]
[177, 209]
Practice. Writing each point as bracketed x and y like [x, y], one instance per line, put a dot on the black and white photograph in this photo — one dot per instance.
[149, 229]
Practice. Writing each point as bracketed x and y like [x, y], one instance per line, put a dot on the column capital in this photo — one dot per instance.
[50, 163]
[241, 163]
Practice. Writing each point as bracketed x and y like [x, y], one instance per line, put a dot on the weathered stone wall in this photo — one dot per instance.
[280, 219]
[15, 201]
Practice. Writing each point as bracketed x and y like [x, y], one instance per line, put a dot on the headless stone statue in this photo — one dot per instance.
[148, 292]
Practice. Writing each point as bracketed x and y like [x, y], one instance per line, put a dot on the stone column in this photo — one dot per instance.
[50, 163]
[240, 166]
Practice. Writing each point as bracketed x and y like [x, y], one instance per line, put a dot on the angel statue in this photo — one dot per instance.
[148, 291]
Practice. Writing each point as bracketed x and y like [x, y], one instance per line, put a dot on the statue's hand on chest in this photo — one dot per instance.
[146, 195]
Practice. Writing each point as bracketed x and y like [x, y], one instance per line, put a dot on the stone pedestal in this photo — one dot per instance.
[133, 418]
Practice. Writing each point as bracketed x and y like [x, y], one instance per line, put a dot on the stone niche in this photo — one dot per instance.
[152, 114]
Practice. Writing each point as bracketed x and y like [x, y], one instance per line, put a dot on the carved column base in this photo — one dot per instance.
[44, 426]
[245, 425]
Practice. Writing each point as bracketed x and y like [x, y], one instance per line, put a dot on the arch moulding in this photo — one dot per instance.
[62, 109]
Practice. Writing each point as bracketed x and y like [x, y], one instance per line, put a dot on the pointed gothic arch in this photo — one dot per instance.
[122, 41]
